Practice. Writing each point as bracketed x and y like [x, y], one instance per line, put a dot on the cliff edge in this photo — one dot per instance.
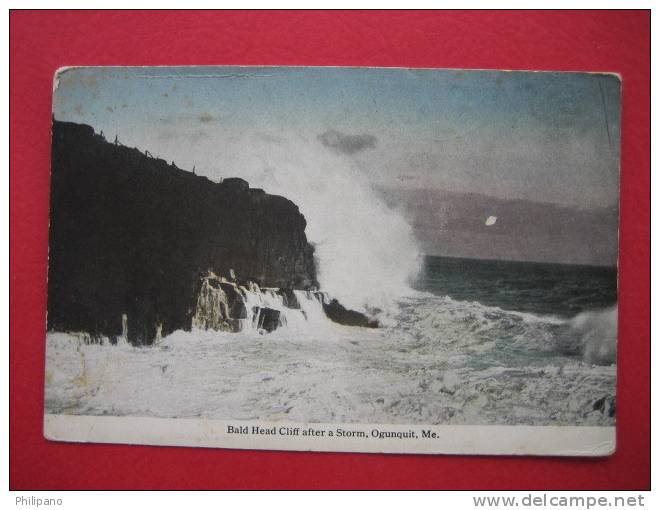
[131, 235]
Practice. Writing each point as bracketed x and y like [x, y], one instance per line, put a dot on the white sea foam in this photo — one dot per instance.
[442, 361]
[366, 253]
[343, 374]
[596, 333]
[444, 321]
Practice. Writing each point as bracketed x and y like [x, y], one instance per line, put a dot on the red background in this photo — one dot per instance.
[40, 42]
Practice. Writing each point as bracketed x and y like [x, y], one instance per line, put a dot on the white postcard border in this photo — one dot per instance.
[586, 441]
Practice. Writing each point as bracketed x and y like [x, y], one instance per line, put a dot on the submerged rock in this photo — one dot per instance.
[338, 313]
[606, 405]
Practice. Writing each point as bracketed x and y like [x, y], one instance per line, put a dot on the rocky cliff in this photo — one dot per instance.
[133, 235]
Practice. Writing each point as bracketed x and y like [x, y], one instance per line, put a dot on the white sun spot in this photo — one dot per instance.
[491, 221]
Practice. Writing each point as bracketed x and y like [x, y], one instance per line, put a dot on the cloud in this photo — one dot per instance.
[347, 144]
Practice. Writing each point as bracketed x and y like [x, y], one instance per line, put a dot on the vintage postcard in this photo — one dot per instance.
[334, 259]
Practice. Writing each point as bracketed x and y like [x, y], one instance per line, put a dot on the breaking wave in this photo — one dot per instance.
[366, 253]
[500, 336]
[595, 335]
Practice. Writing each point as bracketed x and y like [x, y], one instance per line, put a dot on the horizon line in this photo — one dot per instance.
[486, 259]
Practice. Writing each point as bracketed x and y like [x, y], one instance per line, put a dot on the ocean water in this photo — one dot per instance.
[544, 289]
[472, 342]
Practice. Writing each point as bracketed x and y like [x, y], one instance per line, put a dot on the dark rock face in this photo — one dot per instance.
[289, 298]
[337, 313]
[132, 235]
[220, 306]
[268, 319]
[237, 308]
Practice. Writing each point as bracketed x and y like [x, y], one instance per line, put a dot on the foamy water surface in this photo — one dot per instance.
[437, 361]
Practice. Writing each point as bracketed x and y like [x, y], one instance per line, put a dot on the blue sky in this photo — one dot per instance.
[549, 137]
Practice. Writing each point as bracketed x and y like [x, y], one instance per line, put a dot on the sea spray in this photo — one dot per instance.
[366, 253]
[596, 332]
